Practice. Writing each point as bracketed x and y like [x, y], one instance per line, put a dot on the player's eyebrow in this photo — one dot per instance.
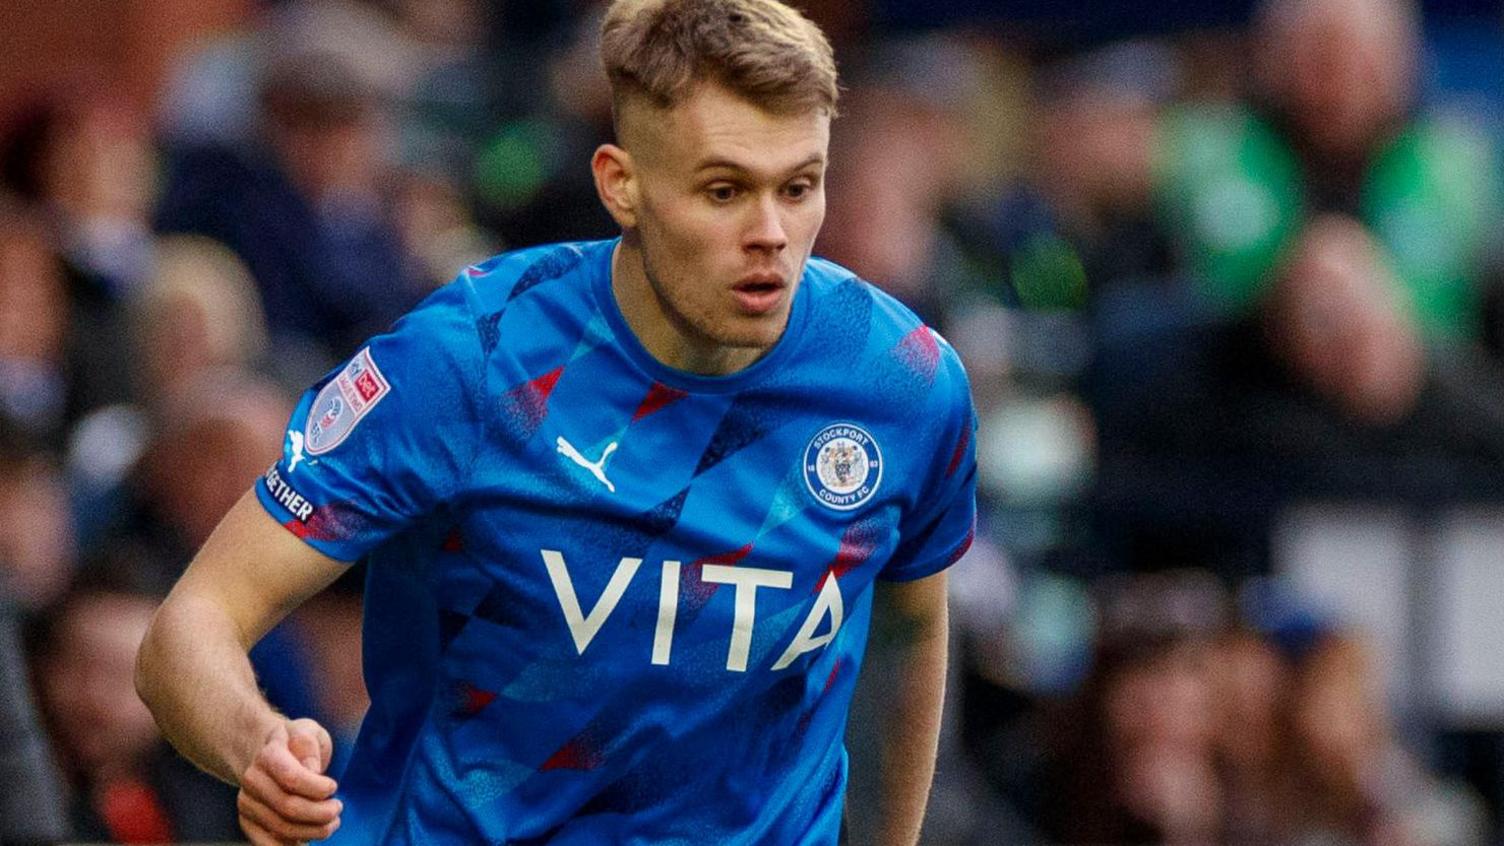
[718, 163]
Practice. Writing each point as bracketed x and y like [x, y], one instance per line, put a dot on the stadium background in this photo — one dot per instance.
[1237, 577]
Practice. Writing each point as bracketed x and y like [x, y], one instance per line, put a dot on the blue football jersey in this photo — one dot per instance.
[610, 601]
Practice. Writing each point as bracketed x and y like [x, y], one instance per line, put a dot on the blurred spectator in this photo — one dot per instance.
[217, 435]
[308, 215]
[1351, 783]
[1137, 761]
[1332, 133]
[1187, 731]
[86, 163]
[438, 229]
[1315, 320]
[446, 100]
[441, 94]
[528, 186]
[898, 154]
[1094, 135]
[213, 437]
[1250, 683]
[198, 313]
[1335, 316]
[87, 159]
[128, 786]
[33, 328]
[31, 805]
[37, 546]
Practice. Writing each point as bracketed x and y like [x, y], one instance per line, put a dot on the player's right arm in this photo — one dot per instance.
[376, 445]
[194, 674]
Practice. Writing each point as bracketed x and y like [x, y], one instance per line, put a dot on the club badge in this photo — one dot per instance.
[843, 466]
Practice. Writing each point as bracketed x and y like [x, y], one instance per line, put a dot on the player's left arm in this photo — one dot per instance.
[910, 624]
[917, 626]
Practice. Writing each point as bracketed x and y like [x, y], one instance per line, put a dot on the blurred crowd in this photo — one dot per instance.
[1200, 275]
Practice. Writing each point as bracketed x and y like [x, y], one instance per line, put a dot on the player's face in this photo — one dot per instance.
[730, 198]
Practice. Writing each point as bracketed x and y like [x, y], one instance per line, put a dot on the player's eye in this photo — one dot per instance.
[799, 189]
[722, 193]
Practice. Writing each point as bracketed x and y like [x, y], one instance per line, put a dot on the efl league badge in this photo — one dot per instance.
[333, 409]
[341, 403]
[843, 466]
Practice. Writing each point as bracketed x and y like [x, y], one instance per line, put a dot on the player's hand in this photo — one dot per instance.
[285, 798]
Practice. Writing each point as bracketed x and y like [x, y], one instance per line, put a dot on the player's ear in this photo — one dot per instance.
[616, 183]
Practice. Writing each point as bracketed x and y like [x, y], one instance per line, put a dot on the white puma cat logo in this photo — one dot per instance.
[296, 439]
[597, 468]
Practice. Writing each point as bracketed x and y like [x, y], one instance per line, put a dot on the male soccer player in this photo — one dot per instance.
[624, 503]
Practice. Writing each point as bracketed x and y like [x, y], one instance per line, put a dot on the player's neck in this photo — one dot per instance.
[662, 333]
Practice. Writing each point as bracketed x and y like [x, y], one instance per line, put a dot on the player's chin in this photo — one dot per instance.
[752, 332]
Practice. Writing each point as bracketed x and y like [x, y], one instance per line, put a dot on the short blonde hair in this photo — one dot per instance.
[207, 275]
[762, 50]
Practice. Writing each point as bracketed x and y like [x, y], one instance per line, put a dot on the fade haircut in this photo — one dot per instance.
[768, 53]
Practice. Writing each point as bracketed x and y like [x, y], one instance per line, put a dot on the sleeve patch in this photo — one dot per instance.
[348, 397]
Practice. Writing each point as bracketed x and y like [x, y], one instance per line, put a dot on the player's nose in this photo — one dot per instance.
[765, 231]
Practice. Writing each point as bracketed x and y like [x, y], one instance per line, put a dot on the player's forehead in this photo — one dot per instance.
[715, 129]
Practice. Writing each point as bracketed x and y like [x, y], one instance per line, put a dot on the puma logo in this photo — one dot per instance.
[596, 468]
[295, 438]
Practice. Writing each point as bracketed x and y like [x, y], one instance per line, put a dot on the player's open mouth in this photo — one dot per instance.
[759, 294]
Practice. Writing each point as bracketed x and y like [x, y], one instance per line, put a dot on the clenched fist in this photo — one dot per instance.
[285, 798]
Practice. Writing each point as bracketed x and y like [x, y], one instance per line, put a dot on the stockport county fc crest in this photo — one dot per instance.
[843, 466]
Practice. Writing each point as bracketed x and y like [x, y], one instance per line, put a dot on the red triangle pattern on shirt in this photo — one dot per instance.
[454, 541]
[335, 521]
[858, 543]
[965, 545]
[659, 397]
[960, 452]
[577, 754]
[830, 680]
[540, 388]
[473, 700]
[527, 404]
[695, 592]
[920, 352]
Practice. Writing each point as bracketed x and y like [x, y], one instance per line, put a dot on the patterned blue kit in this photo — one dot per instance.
[610, 601]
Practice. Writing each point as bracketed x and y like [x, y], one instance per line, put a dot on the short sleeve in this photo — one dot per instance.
[943, 523]
[387, 437]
